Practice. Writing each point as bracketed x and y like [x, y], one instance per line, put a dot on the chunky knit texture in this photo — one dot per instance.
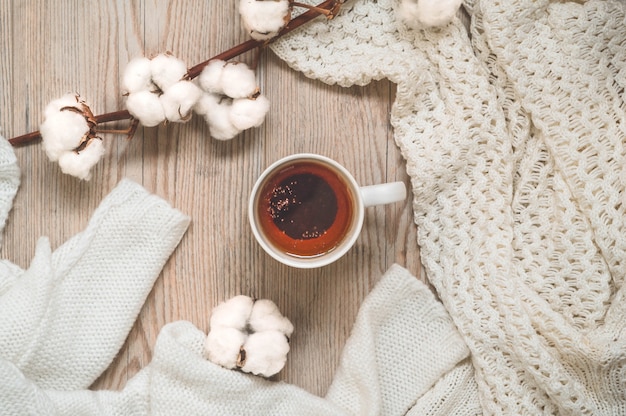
[514, 139]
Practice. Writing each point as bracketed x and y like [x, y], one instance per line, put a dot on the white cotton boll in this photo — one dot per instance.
[210, 79]
[238, 80]
[264, 19]
[249, 335]
[137, 75]
[247, 113]
[233, 313]
[266, 353]
[79, 164]
[204, 104]
[221, 128]
[428, 13]
[222, 346]
[167, 70]
[179, 99]
[218, 117]
[146, 107]
[62, 131]
[68, 100]
[265, 316]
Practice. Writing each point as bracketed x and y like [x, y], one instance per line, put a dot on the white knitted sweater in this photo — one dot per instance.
[515, 141]
[64, 319]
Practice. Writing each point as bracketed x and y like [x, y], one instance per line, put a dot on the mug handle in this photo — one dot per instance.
[384, 193]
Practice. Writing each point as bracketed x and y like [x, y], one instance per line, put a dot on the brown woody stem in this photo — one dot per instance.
[318, 9]
[328, 8]
[112, 131]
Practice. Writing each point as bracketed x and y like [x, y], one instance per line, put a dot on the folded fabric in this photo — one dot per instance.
[63, 320]
[9, 183]
[514, 137]
[402, 346]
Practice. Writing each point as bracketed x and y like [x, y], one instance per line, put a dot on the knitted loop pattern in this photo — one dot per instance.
[514, 141]
[9, 180]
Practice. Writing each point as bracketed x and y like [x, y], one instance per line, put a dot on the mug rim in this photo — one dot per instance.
[313, 261]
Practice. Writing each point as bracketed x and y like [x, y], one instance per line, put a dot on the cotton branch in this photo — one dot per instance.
[329, 8]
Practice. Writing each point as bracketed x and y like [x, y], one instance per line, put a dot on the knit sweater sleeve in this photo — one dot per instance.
[9, 180]
[9, 183]
[64, 319]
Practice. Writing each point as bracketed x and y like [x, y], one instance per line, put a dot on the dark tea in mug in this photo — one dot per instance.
[305, 208]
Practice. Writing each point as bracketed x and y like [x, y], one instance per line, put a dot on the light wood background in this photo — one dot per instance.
[54, 47]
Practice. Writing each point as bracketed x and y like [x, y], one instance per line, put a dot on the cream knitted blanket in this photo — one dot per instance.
[514, 139]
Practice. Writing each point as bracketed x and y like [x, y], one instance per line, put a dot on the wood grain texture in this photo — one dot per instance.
[50, 48]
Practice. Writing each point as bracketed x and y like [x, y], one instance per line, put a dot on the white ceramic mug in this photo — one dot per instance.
[307, 210]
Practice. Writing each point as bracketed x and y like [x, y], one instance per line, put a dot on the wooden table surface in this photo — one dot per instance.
[50, 48]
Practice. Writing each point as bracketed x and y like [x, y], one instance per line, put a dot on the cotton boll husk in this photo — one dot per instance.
[62, 131]
[428, 13]
[210, 79]
[238, 80]
[146, 107]
[80, 164]
[222, 346]
[266, 353]
[264, 19]
[233, 313]
[137, 75]
[218, 117]
[68, 100]
[167, 70]
[246, 113]
[265, 316]
[179, 99]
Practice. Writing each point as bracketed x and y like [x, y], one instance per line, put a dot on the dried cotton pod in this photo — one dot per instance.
[223, 346]
[61, 132]
[265, 353]
[137, 76]
[264, 19]
[265, 316]
[238, 80]
[167, 70]
[79, 163]
[427, 13]
[252, 336]
[233, 79]
[179, 99]
[217, 117]
[226, 94]
[232, 314]
[158, 91]
[69, 136]
[210, 79]
[146, 107]
[246, 113]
